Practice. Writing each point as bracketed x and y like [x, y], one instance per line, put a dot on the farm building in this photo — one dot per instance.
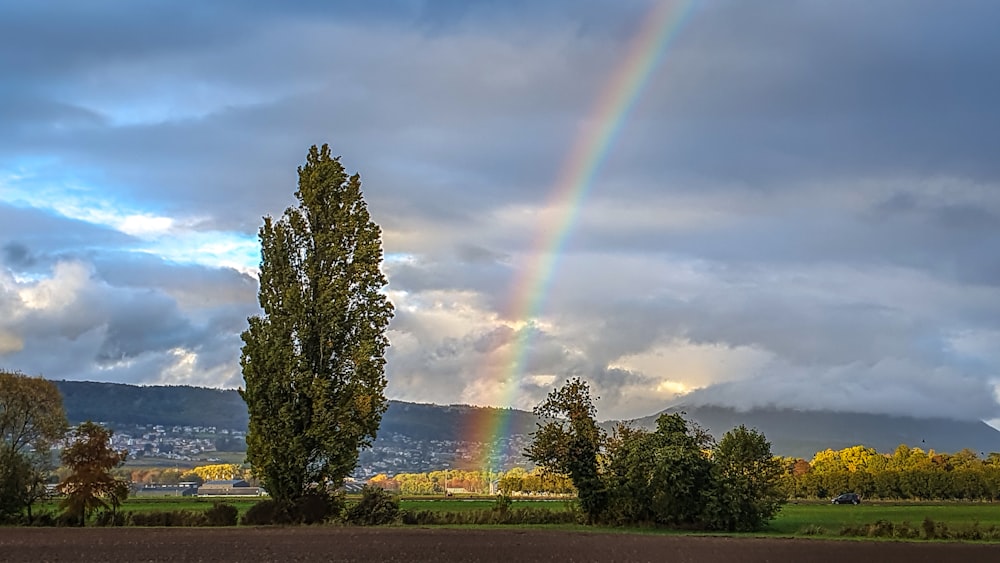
[230, 487]
[154, 489]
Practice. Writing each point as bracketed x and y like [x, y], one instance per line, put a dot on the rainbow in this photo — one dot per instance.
[574, 181]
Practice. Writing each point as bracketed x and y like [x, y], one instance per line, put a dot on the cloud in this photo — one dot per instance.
[801, 208]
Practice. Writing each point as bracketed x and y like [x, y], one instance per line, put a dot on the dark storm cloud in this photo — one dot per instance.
[17, 255]
[768, 94]
[36, 239]
[803, 198]
[310, 76]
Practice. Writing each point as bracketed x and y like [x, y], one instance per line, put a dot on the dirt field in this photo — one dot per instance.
[415, 544]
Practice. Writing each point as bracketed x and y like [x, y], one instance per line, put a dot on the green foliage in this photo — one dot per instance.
[502, 503]
[748, 490]
[812, 530]
[376, 507]
[314, 362]
[484, 517]
[266, 513]
[928, 530]
[310, 508]
[222, 514]
[316, 508]
[91, 483]
[170, 518]
[21, 483]
[569, 441]
[661, 477]
[31, 420]
[107, 518]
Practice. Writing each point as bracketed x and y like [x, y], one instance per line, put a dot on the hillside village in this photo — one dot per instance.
[392, 453]
[177, 443]
[399, 453]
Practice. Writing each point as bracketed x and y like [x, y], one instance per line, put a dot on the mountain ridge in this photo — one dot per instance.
[795, 433]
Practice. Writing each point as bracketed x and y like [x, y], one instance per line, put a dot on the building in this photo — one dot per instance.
[231, 487]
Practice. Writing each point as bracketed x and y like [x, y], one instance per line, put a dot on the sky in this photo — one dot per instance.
[799, 208]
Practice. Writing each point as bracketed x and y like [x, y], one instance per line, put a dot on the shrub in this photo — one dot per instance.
[812, 530]
[168, 518]
[222, 514]
[107, 518]
[929, 529]
[502, 503]
[906, 531]
[881, 529]
[312, 508]
[317, 508]
[266, 513]
[376, 507]
[517, 516]
[45, 519]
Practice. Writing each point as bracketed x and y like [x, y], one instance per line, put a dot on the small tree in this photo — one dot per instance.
[91, 483]
[569, 441]
[31, 420]
[748, 477]
[314, 362]
[661, 477]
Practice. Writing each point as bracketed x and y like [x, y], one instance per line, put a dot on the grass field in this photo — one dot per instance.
[150, 504]
[463, 505]
[820, 519]
[796, 517]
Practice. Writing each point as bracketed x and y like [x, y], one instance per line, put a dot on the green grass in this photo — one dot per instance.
[821, 519]
[795, 517]
[464, 505]
[150, 504]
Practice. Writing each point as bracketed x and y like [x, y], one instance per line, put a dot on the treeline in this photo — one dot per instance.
[198, 475]
[517, 481]
[909, 473]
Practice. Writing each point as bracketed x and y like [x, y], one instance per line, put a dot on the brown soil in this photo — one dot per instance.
[443, 545]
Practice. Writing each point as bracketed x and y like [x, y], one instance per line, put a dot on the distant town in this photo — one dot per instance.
[176, 443]
[392, 452]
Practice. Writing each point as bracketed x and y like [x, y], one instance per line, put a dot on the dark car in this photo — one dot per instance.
[847, 498]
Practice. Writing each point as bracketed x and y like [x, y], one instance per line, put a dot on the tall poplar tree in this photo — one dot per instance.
[314, 362]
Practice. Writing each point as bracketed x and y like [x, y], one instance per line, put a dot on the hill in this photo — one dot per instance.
[224, 408]
[803, 433]
[155, 404]
[791, 432]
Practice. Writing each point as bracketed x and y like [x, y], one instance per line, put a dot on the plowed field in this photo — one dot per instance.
[442, 545]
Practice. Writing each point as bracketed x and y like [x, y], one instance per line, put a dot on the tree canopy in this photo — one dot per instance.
[31, 420]
[569, 442]
[313, 362]
[748, 481]
[91, 483]
[673, 476]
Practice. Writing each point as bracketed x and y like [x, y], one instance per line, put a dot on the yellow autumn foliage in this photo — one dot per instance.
[220, 472]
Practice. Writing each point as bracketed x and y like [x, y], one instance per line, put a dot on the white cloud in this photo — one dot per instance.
[58, 292]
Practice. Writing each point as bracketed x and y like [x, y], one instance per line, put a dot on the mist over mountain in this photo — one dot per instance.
[800, 433]
[791, 432]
